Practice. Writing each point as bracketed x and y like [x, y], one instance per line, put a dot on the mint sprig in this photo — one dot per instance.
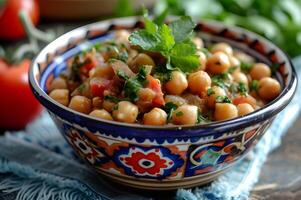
[173, 42]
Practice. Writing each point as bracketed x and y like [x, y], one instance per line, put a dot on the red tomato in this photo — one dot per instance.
[10, 24]
[98, 86]
[245, 99]
[155, 85]
[91, 63]
[17, 103]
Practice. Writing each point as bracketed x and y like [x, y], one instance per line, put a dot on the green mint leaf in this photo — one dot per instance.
[242, 88]
[166, 37]
[145, 40]
[183, 56]
[182, 28]
[159, 19]
[150, 26]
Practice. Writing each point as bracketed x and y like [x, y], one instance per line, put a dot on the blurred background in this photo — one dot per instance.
[28, 25]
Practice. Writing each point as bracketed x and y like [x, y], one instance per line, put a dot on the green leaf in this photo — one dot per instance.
[167, 39]
[159, 19]
[145, 40]
[183, 56]
[182, 28]
[150, 26]
[169, 108]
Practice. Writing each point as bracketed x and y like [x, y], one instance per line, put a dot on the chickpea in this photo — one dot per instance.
[218, 63]
[122, 36]
[216, 91]
[102, 114]
[198, 42]
[58, 83]
[177, 84]
[104, 71]
[177, 100]
[259, 71]
[125, 111]
[240, 77]
[222, 47]
[268, 88]
[141, 59]
[243, 57]
[156, 116]
[198, 82]
[60, 95]
[97, 102]
[234, 62]
[203, 60]
[224, 111]
[244, 109]
[185, 115]
[146, 94]
[81, 104]
[108, 105]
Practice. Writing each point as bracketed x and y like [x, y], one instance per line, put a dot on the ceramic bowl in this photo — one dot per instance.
[160, 157]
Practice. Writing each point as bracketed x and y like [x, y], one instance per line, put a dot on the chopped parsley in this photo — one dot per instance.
[115, 107]
[173, 42]
[201, 119]
[254, 85]
[111, 98]
[210, 91]
[245, 67]
[169, 108]
[221, 80]
[134, 84]
[239, 88]
[179, 114]
[232, 69]
[222, 99]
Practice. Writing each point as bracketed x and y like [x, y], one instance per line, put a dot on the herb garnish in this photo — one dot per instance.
[221, 80]
[173, 42]
[254, 85]
[239, 87]
[210, 91]
[245, 67]
[111, 98]
[134, 84]
[179, 114]
[169, 108]
[222, 99]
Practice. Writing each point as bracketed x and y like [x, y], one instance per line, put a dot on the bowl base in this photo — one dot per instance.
[163, 185]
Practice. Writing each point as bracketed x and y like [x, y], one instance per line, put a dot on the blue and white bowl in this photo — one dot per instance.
[159, 157]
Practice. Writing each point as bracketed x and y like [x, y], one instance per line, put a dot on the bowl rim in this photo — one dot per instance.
[268, 111]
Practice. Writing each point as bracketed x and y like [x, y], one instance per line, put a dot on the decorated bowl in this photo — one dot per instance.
[159, 157]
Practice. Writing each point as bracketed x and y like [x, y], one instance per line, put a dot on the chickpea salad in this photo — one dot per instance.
[163, 74]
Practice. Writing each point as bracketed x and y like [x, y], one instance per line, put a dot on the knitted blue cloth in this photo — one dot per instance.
[38, 164]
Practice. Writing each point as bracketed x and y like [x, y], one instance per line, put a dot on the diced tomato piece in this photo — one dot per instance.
[155, 85]
[91, 62]
[245, 99]
[98, 86]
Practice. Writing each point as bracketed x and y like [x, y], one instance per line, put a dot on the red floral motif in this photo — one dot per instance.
[83, 147]
[151, 163]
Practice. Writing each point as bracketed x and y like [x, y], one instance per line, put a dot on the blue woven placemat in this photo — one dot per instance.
[37, 163]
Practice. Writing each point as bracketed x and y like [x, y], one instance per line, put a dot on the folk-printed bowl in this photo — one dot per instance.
[165, 157]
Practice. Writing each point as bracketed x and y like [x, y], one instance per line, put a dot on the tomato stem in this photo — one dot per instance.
[34, 35]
